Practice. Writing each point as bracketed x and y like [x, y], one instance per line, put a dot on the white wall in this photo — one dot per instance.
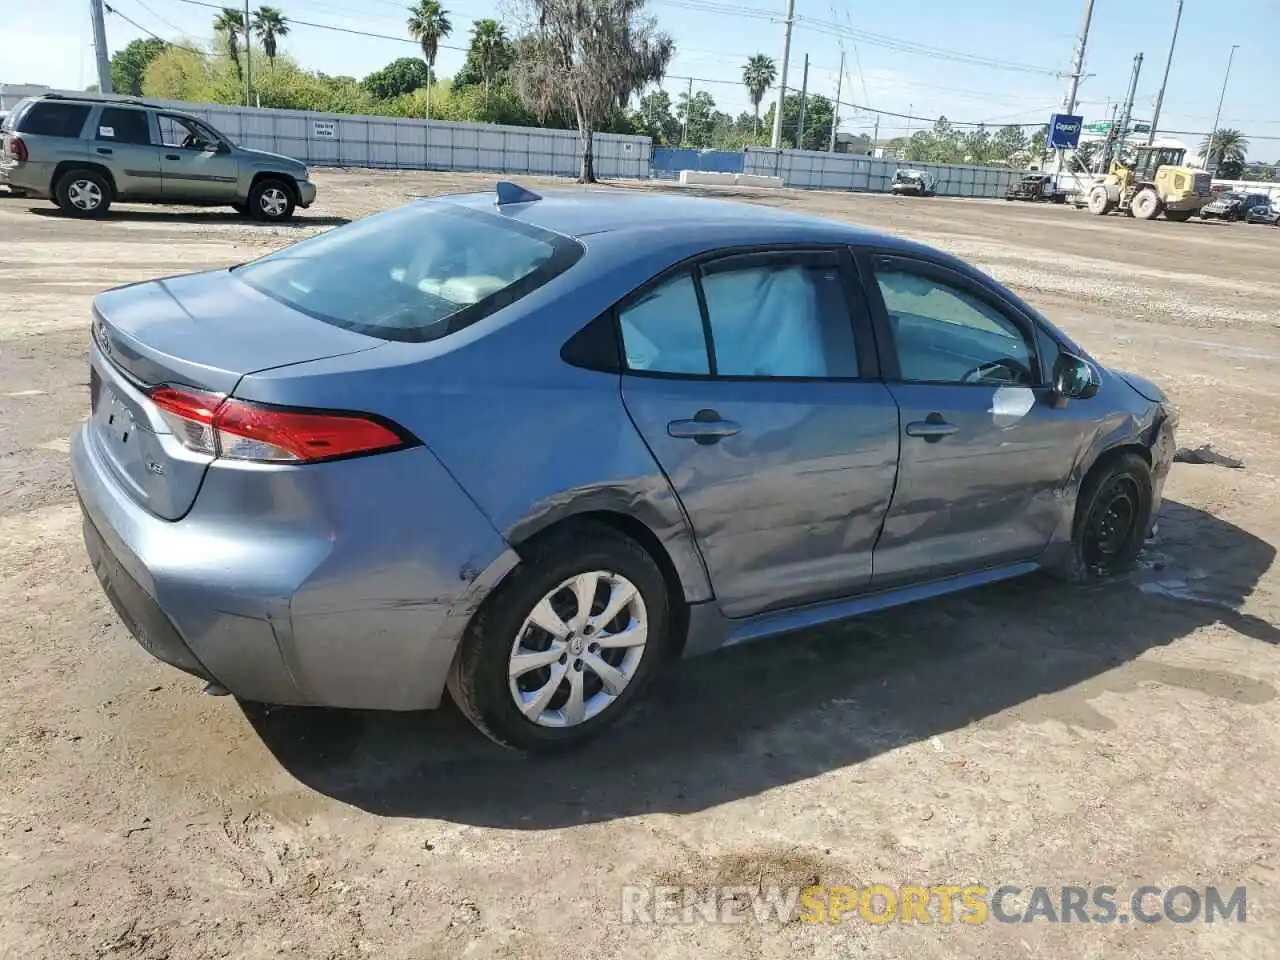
[406, 144]
[842, 171]
[1270, 188]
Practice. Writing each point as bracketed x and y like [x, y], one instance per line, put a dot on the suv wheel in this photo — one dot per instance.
[271, 200]
[83, 193]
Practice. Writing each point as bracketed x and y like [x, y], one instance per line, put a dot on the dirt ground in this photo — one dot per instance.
[1028, 733]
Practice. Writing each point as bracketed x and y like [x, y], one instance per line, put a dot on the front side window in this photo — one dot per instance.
[52, 118]
[186, 134]
[944, 334]
[123, 126]
[415, 273]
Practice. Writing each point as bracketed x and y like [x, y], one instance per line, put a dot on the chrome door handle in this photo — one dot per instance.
[931, 429]
[706, 427]
[172, 156]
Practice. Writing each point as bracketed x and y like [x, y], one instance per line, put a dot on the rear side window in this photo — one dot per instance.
[49, 118]
[124, 126]
[416, 273]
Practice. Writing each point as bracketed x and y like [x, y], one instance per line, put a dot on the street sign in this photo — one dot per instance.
[1064, 130]
[324, 129]
[1103, 127]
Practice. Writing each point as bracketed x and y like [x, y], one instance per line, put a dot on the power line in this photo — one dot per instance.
[155, 36]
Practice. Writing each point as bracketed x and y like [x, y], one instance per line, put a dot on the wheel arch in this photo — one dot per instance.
[287, 179]
[66, 166]
[637, 530]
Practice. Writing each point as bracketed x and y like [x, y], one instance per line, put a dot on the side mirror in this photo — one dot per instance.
[222, 147]
[1075, 378]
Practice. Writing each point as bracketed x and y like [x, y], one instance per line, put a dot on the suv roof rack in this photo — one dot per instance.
[104, 97]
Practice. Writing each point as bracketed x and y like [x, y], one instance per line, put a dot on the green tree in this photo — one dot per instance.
[490, 48]
[269, 25]
[694, 114]
[1226, 145]
[229, 24]
[429, 24]
[976, 146]
[588, 57]
[758, 76]
[400, 76]
[129, 66]
[1008, 140]
[819, 114]
[654, 119]
[1036, 147]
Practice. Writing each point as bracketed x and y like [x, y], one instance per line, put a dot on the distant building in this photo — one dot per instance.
[11, 93]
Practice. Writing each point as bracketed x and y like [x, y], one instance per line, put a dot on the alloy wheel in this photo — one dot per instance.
[578, 649]
[85, 195]
[273, 202]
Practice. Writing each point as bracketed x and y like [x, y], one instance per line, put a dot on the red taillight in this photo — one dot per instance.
[18, 149]
[224, 427]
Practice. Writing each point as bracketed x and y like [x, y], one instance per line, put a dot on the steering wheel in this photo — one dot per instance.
[190, 141]
[1015, 373]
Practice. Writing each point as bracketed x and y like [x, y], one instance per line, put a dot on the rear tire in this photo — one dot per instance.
[481, 680]
[83, 193]
[271, 200]
[1113, 515]
[1146, 205]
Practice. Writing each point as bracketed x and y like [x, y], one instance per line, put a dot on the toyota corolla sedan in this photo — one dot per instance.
[532, 449]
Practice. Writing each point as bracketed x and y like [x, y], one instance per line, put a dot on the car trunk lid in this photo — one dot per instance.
[204, 331]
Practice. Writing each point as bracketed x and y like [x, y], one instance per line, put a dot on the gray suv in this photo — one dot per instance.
[84, 152]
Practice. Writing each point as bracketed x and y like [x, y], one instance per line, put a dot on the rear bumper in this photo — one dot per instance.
[30, 179]
[306, 586]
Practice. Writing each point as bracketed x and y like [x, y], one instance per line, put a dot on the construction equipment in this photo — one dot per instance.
[1157, 182]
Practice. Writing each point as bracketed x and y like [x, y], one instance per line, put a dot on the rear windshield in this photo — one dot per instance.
[416, 273]
[50, 118]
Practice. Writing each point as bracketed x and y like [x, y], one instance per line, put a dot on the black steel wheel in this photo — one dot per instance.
[1113, 515]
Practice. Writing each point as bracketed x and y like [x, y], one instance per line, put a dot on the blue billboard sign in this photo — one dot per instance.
[1064, 131]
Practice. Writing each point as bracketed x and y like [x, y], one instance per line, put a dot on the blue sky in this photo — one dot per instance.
[50, 43]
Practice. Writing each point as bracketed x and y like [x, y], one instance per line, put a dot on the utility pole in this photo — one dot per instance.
[776, 140]
[1213, 135]
[248, 56]
[911, 108]
[835, 107]
[1155, 116]
[875, 136]
[1119, 133]
[804, 101]
[101, 57]
[688, 108]
[1077, 65]
[1077, 71]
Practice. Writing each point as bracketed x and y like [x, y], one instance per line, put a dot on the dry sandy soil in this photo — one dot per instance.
[1027, 733]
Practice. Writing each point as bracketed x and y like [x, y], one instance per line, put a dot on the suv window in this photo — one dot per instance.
[124, 126]
[51, 118]
[416, 273]
[945, 334]
[185, 133]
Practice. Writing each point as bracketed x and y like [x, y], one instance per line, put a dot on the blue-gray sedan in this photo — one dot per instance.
[531, 448]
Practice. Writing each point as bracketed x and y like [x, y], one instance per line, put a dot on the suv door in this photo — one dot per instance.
[751, 377]
[198, 165]
[985, 448]
[123, 140]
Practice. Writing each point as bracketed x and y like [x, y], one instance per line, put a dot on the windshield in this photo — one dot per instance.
[416, 273]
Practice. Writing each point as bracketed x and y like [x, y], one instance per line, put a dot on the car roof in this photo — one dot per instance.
[584, 212]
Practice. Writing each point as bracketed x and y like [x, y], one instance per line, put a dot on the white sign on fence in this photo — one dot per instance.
[324, 129]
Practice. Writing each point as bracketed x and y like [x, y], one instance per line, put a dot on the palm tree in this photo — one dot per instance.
[429, 24]
[1226, 145]
[758, 76]
[231, 23]
[269, 24]
[488, 40]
